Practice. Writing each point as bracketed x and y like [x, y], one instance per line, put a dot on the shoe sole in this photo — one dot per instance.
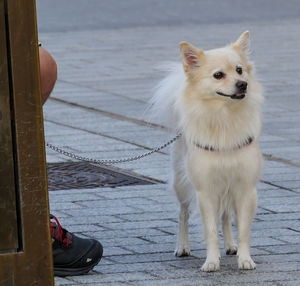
[63, 272]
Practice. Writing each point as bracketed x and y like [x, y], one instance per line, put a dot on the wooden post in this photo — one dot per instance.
[25, 242]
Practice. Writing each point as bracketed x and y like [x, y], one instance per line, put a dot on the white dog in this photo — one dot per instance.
[215, 102]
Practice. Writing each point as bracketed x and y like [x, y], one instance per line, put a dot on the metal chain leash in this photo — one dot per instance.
[111, 161]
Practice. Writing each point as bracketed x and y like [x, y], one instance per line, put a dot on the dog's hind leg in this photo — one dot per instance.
[229, 245]
[183, 246]
[184, 193]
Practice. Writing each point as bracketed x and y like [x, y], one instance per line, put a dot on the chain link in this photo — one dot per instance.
[111, 161]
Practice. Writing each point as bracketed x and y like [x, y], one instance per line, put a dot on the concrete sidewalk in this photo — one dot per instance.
[105, 79]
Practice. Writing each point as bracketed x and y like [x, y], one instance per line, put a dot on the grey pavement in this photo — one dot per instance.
[67, 15]
[97, 108]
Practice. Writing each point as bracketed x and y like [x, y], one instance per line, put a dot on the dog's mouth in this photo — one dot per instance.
[238, 96]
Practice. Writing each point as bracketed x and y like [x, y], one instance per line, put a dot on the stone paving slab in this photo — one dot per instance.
[97, 109]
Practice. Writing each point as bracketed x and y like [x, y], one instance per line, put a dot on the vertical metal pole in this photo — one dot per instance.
[8, 241]
[25, 244]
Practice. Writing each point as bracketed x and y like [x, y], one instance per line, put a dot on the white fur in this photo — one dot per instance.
[166, 96]
[224, 180]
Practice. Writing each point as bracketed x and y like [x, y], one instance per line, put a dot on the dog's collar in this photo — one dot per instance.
[247, 142]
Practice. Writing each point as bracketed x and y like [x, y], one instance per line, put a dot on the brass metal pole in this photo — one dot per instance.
[25, 243]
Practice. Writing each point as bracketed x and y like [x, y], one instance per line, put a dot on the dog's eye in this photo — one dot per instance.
[219, 75]
[239, 70]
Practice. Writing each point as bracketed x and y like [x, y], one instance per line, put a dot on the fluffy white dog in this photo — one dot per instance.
[214, 100]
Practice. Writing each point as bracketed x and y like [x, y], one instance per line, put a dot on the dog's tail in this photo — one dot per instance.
[163, 106]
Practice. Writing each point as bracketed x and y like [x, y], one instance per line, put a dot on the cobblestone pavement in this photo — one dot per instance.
[105, 79]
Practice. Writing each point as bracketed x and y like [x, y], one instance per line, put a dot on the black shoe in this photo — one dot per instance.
[72, 255]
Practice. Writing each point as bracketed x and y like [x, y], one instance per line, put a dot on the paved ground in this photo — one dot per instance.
[105, 79]
[68, 15]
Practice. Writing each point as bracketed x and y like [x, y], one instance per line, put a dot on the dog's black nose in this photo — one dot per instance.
[241, 85]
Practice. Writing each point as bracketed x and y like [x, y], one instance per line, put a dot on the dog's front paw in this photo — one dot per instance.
[246, 263]
[231, 249]
[210, 266]
[182, 251]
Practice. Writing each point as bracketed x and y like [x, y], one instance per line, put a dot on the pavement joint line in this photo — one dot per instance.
[281, 240]
[101, 90]
[104, 135]
[280, 136]
[269, 252]
[111, 114]
[293, 229]
[278, 186]
[145, 239]
[131, 173]
[271, 157]
[266, 209]
[273, 212]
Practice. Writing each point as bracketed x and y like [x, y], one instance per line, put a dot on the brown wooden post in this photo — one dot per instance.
[25, 243]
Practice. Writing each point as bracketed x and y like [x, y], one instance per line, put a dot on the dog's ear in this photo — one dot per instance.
[190, 56]
[243, 43]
